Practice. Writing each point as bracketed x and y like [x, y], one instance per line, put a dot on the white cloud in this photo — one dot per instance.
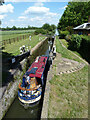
[2, 16]
[63, 8]
[36, 10]
[6, 8]
[22, 17]
[12, 20]
[35, 15]
[51, 14]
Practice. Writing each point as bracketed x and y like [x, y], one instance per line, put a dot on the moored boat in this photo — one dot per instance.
[30, 90]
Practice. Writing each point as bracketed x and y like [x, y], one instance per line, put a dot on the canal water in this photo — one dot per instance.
[16, 110]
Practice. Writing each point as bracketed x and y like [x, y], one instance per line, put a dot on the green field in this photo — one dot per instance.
[13, 48]
[13, 34]
[69, 92]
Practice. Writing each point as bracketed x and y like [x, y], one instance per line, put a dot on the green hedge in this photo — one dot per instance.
[42, 31]
[85, 47]
[62, 34]
[80, 43]
[68, 38]
[75, 42]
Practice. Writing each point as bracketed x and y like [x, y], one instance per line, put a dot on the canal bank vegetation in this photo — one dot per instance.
[79, 44]
[68, 92]
[65, 53]
[46, 29]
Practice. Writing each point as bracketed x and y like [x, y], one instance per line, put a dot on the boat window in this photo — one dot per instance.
[39, 81]
[32, 71]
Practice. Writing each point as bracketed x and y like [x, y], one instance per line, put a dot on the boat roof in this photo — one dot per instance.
[37, 67]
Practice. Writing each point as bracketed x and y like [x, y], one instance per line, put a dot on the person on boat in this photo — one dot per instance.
[27, 81]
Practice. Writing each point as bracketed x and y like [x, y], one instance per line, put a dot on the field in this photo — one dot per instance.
[13, 48]
[12, 34]
[69, 92]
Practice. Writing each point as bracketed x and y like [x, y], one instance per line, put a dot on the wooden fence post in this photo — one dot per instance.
[17, 39]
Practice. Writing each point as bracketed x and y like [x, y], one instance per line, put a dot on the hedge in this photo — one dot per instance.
[80, 43]
[62, 34]
[75, 42]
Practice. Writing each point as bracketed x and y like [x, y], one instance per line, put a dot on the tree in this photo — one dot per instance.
[14, 28]
[29, 27]
[53, 27]
[46, 26]
[75, 14]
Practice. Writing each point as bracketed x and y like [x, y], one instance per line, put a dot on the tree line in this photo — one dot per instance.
[19, 28]
[46, 29]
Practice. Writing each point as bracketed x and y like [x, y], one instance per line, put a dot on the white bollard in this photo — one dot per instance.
[30, 38]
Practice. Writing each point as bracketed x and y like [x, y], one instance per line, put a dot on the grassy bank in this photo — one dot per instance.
[13, 48]
[64, 52]
[69, 92]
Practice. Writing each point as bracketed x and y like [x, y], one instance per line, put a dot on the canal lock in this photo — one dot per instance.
[16, 110]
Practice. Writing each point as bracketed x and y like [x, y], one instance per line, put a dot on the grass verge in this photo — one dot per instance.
[64, 52]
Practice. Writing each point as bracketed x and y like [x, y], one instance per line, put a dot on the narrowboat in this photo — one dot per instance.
[30, 90]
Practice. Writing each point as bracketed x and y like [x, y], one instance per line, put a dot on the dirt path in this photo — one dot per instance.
[64, 65]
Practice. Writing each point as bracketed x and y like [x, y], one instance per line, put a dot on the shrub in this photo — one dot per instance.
[70, 29]
[68, 38]
[85, 47]
[75, 42]
[42, 31]
[62, 34]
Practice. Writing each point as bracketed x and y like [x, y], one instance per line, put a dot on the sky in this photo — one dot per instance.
[22, 14]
